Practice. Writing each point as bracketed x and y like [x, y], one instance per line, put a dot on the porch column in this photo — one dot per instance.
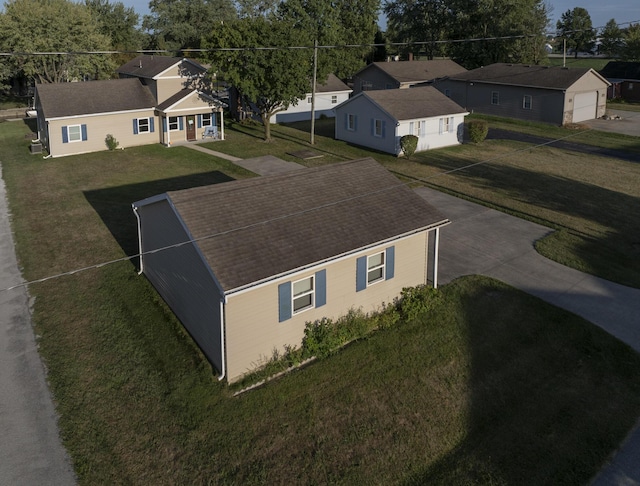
[221, 125]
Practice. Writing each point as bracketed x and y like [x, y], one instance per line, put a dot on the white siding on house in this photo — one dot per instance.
[324, 105]
[433, 132]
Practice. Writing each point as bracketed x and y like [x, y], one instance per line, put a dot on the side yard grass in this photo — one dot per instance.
[489, 386]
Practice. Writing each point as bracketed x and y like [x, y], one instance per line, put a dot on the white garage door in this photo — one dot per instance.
[585, 106]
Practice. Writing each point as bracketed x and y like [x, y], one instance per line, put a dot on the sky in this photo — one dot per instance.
[601, 11]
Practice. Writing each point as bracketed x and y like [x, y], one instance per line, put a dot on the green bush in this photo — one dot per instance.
[416, 301]
[111, 142]
[478, 130]
[409, 144]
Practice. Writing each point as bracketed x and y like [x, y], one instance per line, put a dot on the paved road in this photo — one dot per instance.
[31, 453]
[487, 242]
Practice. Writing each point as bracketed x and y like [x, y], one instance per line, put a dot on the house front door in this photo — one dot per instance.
[191, 128]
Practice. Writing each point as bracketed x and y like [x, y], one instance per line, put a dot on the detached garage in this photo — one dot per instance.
[537, 93]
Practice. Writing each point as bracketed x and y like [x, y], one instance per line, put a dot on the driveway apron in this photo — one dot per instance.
[31, 452]
[487, 242]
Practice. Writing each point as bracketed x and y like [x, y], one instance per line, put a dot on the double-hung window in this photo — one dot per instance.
[295, 297]
[309, 99]
[334, 99]
[495, 97]
[75, 133]
[377, 128]
[143, 125]
[174, 124]
[206, 119]
[303, 293]
[351, 122]
[374, 268]
[526, 102]
[446, 125]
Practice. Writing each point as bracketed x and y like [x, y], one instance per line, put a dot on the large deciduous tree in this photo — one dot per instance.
[29, 26]
[576, 29]
[269, 79]
[611, 39]
[179, 24]
[120, 24]
[631, 50]
[490, 31]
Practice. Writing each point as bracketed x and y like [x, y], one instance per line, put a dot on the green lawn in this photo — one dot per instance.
[493, 386]
[596, 63]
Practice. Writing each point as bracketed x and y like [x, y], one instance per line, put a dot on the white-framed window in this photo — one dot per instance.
[334, 99]
[75, 133]
[351, 122]
[377, 128]
[446, 124]
[417, 128]
[173, 123]
[303, 295]
[526, 102]
[495, 97]
[143, 125]
[309, 99]
[375, 268]
[206, 119]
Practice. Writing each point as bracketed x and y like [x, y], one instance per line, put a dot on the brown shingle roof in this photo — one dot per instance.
[333, 83]
[419, 71]
[275, 224]
[76, 99]
[145, 66]
[551, 77]
[413, 103]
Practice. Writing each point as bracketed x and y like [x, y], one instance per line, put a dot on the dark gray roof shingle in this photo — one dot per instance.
[145, 66]
[419, 71]
[271, 225]
[621, 70]
[551, 77]
[414, 103]
[76, 99]
[333, 83]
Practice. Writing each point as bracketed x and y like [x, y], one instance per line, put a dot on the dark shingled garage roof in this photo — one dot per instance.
[551, 77]
[271, 225]
[413, 103]
[419, 71]
[75, 99]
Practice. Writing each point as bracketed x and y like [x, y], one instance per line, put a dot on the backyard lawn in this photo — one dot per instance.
[490, 386]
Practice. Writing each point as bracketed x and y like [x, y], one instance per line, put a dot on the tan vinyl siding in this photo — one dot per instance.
[252, 330]
[98, 127]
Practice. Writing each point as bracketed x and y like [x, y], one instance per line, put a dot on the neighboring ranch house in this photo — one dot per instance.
[624, 78]
[246, 264]
[546, 94]
[403, 74]
[328, 95]
[75, 118]
[379, 119]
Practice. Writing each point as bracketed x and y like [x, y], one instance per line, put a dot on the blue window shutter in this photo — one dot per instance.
[411, 126]
[214, 119]
[65, 135]
[389, 257]
[164, 125]
[284, 301]
[321, 288]
[83, 129]
[152, 127]
[355, 123]
[180, 123]
[199, 117]
[135, 126]
[361, 273]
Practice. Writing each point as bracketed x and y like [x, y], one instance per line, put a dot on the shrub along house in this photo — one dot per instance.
[245, 264]
[537, 93]
[379, 119]
[155, 101]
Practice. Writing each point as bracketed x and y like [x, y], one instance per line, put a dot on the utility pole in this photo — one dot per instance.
[313, 92]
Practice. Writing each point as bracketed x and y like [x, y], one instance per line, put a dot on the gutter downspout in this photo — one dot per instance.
[435, 258]
[223, 355]
[135, 211]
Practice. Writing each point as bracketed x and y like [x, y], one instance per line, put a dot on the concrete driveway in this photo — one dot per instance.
[628, 124]
[487, 242]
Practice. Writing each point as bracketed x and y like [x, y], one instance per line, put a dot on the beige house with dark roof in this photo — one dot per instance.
[157, 100]
[245, 264]
[403, 74]
[379, 119]
[549, 94]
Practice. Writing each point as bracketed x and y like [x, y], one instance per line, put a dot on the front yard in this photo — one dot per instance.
[492, 386]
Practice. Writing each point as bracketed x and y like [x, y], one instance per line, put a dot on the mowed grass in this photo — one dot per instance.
[492, 387]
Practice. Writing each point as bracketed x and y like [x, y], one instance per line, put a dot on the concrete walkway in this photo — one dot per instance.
[487, 242]
[31, 452]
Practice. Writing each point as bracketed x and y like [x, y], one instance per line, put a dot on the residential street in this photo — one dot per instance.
[31, 453]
